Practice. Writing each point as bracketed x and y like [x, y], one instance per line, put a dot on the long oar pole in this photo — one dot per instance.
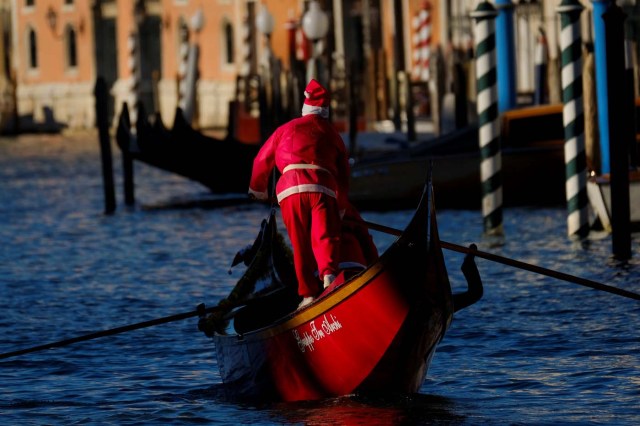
[518, 264]
[171, 318]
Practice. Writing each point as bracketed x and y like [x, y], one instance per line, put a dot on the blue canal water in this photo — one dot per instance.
[534, 350]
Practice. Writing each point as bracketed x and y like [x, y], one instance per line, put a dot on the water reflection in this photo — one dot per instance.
[533, 350]
[414, 409]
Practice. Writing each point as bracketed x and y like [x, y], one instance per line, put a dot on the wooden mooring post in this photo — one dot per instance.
[620, 132]
[126, 142]
[127, 169]
[100, 94]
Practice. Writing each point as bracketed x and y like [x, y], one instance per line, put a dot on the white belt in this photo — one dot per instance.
[303, 166]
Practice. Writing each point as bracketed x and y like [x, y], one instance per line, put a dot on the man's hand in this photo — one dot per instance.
[258, 196]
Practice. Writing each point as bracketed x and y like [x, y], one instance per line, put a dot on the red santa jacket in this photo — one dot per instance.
[310, 155]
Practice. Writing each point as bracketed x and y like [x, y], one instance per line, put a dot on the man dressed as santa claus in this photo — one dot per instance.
[312, 189]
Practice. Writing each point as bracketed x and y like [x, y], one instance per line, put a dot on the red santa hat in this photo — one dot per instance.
[316, 100]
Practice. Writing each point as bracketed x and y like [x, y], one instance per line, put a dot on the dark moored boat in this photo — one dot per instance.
[222, 165]
[532, 167]
[533, 170]
[375, 332]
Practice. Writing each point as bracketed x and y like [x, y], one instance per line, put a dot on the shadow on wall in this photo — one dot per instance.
[46, 124]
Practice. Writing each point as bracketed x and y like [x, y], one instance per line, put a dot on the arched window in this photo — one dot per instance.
[229, 49]
[33, 49]
[71, 47]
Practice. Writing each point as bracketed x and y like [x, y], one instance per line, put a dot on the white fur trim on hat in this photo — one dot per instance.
[309, 109]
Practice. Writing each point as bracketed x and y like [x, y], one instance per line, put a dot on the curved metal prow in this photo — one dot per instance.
[474, 283]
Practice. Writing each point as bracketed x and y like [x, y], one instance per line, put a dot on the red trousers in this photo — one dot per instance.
[312, 220]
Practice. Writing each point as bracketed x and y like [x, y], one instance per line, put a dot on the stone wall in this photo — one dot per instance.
[51, 107]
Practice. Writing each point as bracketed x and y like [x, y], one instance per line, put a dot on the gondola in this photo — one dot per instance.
[221, 165]
[372, 333]
[532, 141]
[379, 181]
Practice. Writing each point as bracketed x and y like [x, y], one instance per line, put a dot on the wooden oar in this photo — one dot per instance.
[200, 310]
[518, 264]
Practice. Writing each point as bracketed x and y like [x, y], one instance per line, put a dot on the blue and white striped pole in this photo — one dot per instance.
[575, 157]
[488, 123]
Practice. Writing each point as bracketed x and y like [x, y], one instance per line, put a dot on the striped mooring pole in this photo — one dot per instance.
[422, 43]
[575, 157]
[245, 48]
[134, 70]
[415, 41]
[488, 118]
[183, 59]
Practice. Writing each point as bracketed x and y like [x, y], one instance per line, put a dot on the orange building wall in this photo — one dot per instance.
[51, 46]
[217, 80]
[211, 37]
[281, 11]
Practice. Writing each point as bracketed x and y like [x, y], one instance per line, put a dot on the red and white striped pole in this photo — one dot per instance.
[415, 40]
[245, 65]
[134, 71]
[244, 70]
[183, 55]
[425, 37]
[422, 43]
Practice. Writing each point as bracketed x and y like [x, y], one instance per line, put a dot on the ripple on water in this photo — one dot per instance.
[533, 350]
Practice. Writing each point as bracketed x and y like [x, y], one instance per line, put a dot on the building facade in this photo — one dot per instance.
[59, 48]
[55, 50]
